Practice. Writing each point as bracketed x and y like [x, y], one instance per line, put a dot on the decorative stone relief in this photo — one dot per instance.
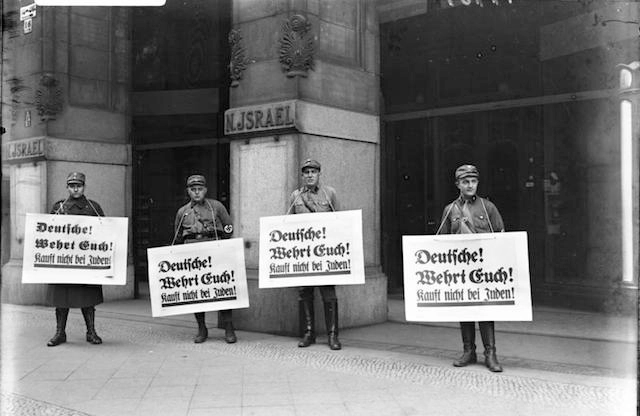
[17, 88]
[296, 46]
[238, 62]
[48, 98]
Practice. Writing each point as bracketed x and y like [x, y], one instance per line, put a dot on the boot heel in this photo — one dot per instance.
[467, 358]
[307, 340]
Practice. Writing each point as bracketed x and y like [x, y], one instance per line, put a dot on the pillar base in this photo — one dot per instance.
[275, 311]
[13, 291]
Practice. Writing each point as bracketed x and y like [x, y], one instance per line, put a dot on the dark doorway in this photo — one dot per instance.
[160, 178]
[419, 160]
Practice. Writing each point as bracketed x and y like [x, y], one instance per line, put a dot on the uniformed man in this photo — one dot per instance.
[204, 219]
[313, 197]
[65, 296]
[468, 214]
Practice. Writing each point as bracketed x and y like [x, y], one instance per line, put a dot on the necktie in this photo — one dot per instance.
[466, 222]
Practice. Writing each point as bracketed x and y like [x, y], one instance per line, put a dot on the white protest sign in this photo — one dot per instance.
[467, 277]
[197, 277]
[311, 250]
[77, 249]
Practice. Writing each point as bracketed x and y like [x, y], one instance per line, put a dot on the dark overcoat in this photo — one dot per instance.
[75, 295]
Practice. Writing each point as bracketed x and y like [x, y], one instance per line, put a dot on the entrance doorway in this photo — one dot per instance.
[160, 189]
[420, 158]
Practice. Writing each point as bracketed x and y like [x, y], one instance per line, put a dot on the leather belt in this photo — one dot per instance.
[197, 236]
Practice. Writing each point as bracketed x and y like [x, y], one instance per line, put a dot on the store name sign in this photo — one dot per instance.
[454, 3]
[260, 118]
[24, 150]
[100, 2]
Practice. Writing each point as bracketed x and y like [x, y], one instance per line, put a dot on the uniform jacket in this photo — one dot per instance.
[203, 221]
[453, 218]
[319, 199]
[75, 295]
[80, 206]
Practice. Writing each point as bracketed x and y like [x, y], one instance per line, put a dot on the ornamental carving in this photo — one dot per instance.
[48, 98]
[296, 46]
[239, 61]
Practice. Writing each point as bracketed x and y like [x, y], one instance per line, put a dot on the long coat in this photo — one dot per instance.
[75, 295]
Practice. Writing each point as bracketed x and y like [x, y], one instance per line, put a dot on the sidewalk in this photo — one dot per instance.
[562, 363]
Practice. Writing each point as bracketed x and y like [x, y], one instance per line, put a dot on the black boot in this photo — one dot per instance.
[89, 315]
[61, 323]
[203, 333]
[489, 340]
[229, 331]
[331, 319]
[307, 323]
[468, 331]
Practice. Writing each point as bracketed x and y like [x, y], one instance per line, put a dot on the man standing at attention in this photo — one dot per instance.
[469, 214]
[65, 296]
[313, 197]
[204, 219]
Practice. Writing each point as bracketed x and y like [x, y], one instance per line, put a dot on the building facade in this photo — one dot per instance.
[389, 96]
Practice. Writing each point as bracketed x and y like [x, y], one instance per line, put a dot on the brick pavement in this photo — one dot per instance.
[148, 366]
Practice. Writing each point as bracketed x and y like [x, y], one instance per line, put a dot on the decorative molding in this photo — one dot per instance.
[48, 98]
[196, 54]
[296, 46]
[16, 89]
[238, 62]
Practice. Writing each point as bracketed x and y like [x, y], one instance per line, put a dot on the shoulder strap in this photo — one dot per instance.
[445, 217]
[294, 201]
[487, 214]
[328, 199]
[94, 208]
[213, 215]
[61, 207]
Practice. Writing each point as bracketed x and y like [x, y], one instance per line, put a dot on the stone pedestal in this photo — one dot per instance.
[325, 107]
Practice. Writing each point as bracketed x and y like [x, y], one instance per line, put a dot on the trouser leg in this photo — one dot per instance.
[306, 317]
[60, 336]
[89, 314]
[468, 332]
[203, 333]
[487, 332]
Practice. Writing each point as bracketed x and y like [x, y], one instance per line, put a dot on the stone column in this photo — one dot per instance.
[68, 85]
[308, 72]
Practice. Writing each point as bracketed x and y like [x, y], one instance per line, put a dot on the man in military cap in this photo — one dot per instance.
[204, 219]
[469, 214]
[65, 296]
[313, 197]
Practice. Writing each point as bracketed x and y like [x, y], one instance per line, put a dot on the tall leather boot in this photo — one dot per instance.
[331, 319]
[468, 331]
[203, 333]
[307, 323]
[229, 331]
[60, 336]
[489, 340]
[89, 315]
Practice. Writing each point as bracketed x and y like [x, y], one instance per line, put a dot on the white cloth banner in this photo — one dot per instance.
[467, 277]
[197, 277]
[78, 249]
[314, 249]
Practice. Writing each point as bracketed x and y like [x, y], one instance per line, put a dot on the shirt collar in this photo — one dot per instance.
[472, 199]
[78, 201]
[313, 189]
